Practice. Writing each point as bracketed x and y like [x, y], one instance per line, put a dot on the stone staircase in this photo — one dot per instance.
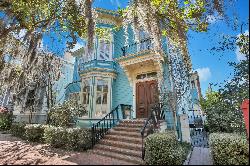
[123, 142]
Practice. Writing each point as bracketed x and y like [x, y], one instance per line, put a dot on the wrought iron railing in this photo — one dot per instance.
[100, 129]
[152, 123]
[145, 44]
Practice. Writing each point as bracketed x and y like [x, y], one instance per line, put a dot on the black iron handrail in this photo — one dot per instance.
[107, 122]
[153, 120]
[145, 44]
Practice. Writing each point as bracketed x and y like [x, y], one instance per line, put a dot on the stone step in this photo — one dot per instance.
[134, 121]
[125, 133]
[129, 152]
[123, 139]
[132, 159]
[120, 144]
[131, 125]
[128, 129]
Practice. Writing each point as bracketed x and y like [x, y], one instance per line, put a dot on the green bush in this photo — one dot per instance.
[55, 136]
[186, 147]
[34, 132]
[18, 130]
[64, 115]
[6, 119]
[164, 149]
[68, 138]
[229, 149]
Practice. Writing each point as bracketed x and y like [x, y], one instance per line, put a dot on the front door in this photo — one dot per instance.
[146, 96]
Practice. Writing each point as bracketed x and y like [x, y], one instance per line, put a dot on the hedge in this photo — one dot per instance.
[164, 149]
[68, 138]
[34, 132]
[6, 119]
[17, 129]
[229, 149]
[59, 137]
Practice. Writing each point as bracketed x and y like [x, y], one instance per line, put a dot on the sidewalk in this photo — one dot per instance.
[14, 151]
[201, 156]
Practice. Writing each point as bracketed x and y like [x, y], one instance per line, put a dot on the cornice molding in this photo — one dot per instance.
[136, 58]
[100, 74]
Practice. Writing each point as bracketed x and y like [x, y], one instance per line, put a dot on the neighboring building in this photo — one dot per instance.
[65, 79]
[39, 115]
[196, 110]
[114, 74]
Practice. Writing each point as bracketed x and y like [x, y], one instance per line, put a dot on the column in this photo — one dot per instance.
[185, 131]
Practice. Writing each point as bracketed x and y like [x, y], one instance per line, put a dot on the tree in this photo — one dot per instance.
[219, 116]
[36, 18]
[172, 19]
[223, 107]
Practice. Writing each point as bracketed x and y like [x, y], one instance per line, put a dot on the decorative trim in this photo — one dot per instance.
[108, 18]
[137, 58]
[101, 74]
[97, 70]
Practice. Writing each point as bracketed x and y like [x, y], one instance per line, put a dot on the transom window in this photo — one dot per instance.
[147, 75]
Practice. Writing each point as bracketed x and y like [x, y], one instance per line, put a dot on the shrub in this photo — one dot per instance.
[65, 114]
[68, 138]
[229, 149]
[34, 132]
[164, 149]
[55, 136]
[17, 129]
[83, 140]
[6, 118]
[186, 147]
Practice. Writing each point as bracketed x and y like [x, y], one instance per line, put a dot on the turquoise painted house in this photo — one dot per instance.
[115, 74]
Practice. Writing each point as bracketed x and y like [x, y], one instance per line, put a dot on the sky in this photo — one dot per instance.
[212, 67]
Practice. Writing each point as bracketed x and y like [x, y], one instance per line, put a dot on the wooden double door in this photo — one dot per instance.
[147, 95]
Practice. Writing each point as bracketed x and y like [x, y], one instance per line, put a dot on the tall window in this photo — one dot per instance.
[86, 92]
[192, 84]
[104, 50]
[101, 98]
[145, 41]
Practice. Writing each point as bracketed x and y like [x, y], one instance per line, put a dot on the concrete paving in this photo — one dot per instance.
[201, 156]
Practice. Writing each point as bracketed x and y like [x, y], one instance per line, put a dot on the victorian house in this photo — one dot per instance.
[133, 76]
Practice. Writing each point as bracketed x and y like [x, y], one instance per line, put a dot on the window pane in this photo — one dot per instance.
[141, 76]
[84, 98]
[99, 88]
[105, 97]
[104, 47]
[153, 74]
[98, 98]
[88, 99]
[105, 88]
